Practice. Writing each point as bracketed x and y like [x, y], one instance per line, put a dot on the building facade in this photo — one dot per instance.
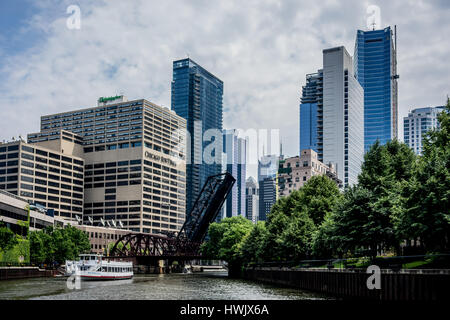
[343, 115]
[295, 172]
[14, 209]
[375, 61]
[44, 175]
[267, 181]
[234, 151]
[418, 122]
[134, 162]
[311, 112]
[100, 238]
[252, 200]
[197, 97]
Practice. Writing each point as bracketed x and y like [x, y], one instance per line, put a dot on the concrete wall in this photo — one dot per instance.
[416, 285]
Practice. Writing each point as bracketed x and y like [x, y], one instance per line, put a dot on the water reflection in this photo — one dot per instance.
[202, 286]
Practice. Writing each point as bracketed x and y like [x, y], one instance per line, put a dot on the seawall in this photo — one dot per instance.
[10, 273]
[404, 285]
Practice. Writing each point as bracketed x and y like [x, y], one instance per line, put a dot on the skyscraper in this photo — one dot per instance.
[267, 180]
[418, 122]
[343, 115]
[309, 107]
[234, 149]
[197, 97]
[119, 161]
[252, 199]
[375, 67]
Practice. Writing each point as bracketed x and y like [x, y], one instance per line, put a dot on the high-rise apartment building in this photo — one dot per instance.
[134, 162]
[375, 65]
[418, 122]
[343, 115]
[252, 199]
[234, 150]
[197, 97]
[295, 172]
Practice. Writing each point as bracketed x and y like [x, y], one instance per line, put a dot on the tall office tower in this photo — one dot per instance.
[134, 162]
[375, 65]
[252, 199]
[267, 180]
[343, 115]
[311, 113]
[418, 122]
[234, 149]
[197, 97]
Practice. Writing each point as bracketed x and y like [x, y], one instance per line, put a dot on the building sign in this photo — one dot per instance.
[159, 158]
[108, 99]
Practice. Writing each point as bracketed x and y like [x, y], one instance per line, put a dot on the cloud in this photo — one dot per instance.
[262, 50]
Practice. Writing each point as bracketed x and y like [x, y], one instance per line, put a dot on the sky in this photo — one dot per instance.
[260, 49]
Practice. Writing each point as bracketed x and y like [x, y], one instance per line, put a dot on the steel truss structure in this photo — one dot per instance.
[187, 242]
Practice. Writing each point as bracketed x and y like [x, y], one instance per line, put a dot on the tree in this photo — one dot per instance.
[427, 214]
[57, 245]
[7, 238]
[225, 241]
[351, 223]
[253, 246]
[318, 197]
[384, 174]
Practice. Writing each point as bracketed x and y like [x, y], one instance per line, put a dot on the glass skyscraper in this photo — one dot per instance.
[197, 97]
[310, 105]
[375, 65]
[234, 149]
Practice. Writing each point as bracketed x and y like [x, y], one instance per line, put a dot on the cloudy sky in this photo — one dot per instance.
[261, 49]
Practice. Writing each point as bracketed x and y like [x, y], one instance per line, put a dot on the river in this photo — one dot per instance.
[198, 286]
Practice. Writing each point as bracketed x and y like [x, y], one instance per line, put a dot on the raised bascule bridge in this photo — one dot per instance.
[161, 251]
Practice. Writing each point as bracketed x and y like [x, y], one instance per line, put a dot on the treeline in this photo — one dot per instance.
[56, 245]
[400, 205]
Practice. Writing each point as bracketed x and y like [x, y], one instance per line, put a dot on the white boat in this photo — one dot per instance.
[97, 267]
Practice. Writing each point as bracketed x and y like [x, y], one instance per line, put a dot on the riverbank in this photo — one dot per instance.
[405, 285]
[11, 273]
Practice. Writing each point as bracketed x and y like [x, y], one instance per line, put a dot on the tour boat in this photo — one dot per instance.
[97, 267]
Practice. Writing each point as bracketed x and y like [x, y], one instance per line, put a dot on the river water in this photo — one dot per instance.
[198, 286]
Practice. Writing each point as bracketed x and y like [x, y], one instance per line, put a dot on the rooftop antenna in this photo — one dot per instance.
[373, 25]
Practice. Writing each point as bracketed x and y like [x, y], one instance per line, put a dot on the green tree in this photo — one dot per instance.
[352, 228]
[7, 238]
[253, 246]
[318, 197]
[385, 173]
[427, 214]
[225, 241]
[55, 244]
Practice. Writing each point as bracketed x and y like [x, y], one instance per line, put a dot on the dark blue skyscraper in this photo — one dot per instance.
[375, 61]
[310, 109]
[197, 97]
